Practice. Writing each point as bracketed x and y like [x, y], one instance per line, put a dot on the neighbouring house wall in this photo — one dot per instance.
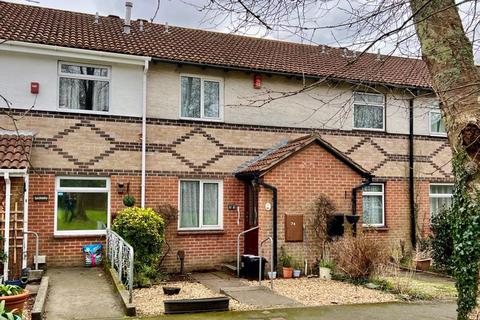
[329, 106]
[20, 69]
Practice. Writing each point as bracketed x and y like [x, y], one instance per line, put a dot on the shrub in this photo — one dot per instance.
[144, 230]
[442, 239]
[358, 257]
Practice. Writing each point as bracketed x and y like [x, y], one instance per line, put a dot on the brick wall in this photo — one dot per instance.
[299, 181]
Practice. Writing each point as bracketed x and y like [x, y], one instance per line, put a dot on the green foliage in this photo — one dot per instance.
[144, 230]
[129, 201]
[330, 264]
[7, 315]
[285, 258]
[10, 290]
[442, 226]
[466, 233]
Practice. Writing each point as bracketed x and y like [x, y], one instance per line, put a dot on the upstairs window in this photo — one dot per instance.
[200, 98]
[437, 126]
[373, 205]
[441, 196]
[368, 111]
[84, 87]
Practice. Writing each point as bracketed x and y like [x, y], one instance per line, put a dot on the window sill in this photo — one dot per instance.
[200, 232]
[368, 130]
[373, 228]
[201, 119]
[79, 235]
[82, 111]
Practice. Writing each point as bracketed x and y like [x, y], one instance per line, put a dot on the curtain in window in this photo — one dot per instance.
[84, 94]
[191, 97]
[210, 204]
[366, 116]
[189, 203]
[372, 210]
[211, 105]
[437, 204]
[436, 122]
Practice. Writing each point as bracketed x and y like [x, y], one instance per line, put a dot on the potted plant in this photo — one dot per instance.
[14, 297]
[129, 201]
[272, 275]
[286, 261]
[297, 271]
[325, 268]
[4, 314]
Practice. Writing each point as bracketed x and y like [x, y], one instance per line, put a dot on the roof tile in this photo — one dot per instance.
[15, 150]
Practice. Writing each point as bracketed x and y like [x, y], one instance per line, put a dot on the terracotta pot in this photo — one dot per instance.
[423, 264]
[16, 302]
[287, 272]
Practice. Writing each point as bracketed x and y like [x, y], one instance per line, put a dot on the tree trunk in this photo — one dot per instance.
[448, 54]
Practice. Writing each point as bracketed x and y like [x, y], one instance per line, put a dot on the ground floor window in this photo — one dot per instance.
[440, 197]
[373, 205]
[82, 205]
[200, 204]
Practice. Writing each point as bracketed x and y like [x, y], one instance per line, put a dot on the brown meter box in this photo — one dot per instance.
[293, 227]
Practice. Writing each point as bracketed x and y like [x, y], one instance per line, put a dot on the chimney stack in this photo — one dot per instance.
[128, 14]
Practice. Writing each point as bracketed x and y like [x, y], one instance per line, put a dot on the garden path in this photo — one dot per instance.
[81, 293]
[261, 297]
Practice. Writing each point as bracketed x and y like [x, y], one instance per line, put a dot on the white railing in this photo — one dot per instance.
[120, 255]
[238, 246]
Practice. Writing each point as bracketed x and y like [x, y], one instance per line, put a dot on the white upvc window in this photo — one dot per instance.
[83, 87]
[441, 196]
[368, 111]
[82, 205]
[200, 205]
[201, 98]
[373, 202]
[437, 125]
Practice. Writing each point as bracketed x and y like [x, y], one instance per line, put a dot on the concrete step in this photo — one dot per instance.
[33, 289]
[35, 275]
[230, 267]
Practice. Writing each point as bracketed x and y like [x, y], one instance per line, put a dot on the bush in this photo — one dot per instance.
[358, 257]
[144, 230]
[442, 225]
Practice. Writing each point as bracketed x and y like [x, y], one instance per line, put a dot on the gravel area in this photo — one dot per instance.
[317, 292]
[27, 309]
[149, 301]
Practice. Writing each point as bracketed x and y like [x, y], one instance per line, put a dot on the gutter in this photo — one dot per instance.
[274, 219]
[411, 179]
[144, 132]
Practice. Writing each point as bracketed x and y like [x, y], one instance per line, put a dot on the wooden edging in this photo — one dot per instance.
[39, 305]
[130, 309]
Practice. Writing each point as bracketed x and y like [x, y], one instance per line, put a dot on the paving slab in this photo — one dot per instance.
[228, 285]
[81, 293]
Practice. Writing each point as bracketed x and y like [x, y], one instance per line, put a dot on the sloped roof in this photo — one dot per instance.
[277, 154]
[78, 30]
[15, 150]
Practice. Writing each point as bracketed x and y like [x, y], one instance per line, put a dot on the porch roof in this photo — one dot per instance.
[15, 149]
[272, 157]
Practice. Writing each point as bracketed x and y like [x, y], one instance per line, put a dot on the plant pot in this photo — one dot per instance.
[272, 275]
[16, 302]
[287, 272]
[325, 273]
[423, 264]
[170, 291]
[296, 273]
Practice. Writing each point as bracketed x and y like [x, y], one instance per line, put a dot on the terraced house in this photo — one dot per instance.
[235, 131]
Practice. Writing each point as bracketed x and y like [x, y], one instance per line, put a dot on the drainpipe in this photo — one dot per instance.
[144, 131]
[354, 202]
[6, 177]
[274, 212]
[411, 179]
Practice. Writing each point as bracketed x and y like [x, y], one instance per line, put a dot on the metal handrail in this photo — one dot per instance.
[260, 262]
[238, 247]
[36, 247]
[120, 254]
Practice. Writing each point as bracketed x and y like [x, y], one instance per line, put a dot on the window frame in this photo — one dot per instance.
[106, 189]
[202, 80]
[383, 105]
[438, 195]
[432, 133]
[375, 193]
[61, 74]
[202, 227]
